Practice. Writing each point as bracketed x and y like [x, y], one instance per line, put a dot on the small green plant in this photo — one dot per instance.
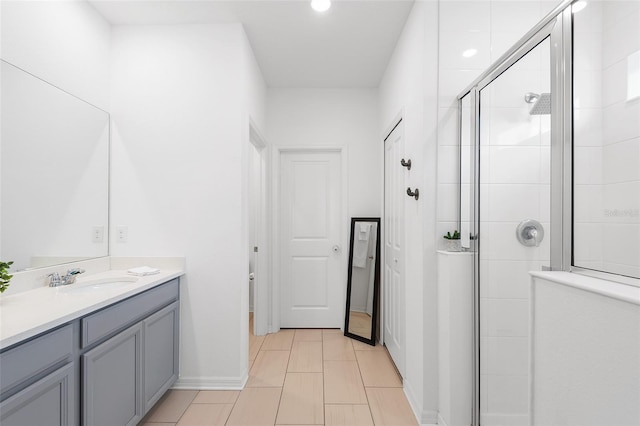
[4, 275]
[455, 236]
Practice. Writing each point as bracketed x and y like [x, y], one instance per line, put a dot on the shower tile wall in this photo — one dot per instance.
[490, 27]
[515, 183]
[607, 137]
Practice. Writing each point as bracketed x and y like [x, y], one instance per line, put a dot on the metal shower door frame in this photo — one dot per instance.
[557, 27]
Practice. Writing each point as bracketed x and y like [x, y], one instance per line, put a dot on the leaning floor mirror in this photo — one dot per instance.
[364, 278]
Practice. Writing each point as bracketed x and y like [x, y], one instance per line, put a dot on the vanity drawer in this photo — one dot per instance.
[116, 317]
[28, 361]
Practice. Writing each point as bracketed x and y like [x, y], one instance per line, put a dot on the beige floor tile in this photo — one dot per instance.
[347, 415]
[342, 383]
[377, 369]
[302, 399]
[171, 406]
[280, 341]
[336, 347]
[255, 407]
[216, 397]
[268, 369]
[157, 424]
[389, 406]
[306, 357]
[255, 343]
[360, 346]
[308, 335]
[331, 331]
[206, 415]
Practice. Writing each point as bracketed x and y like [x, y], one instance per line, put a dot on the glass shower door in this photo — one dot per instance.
[514, 197]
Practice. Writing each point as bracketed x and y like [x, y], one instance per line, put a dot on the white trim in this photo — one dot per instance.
[424, 417]
[211, 383]
[614, 290]
[275, 220]
[261, 292]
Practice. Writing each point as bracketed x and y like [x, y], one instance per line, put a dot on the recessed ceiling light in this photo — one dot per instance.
[320, 5]
[578, 6]
[469, 53]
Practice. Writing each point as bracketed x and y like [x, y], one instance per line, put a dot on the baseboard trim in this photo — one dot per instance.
[441, 421]
[424, 417]
[211, 383]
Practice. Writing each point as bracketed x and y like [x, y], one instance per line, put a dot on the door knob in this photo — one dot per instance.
[336, 249]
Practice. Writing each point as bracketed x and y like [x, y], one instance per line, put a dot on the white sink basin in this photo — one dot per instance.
[91, 285]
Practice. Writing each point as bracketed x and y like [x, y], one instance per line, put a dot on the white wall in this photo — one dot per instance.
[338, 118]
[180, 140]
[409, 88]
[586, 348]
[63, 42]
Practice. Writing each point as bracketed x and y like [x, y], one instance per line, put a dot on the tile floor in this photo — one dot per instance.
[299, 377]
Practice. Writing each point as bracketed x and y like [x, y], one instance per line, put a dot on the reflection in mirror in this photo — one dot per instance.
[54, 174]
[364, 277]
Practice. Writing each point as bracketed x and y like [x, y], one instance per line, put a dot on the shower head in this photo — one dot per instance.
[541, 103]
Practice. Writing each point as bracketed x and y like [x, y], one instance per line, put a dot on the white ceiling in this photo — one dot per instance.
[348, 46]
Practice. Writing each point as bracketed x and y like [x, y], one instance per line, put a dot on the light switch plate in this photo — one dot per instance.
[97, 234]
[122, 234]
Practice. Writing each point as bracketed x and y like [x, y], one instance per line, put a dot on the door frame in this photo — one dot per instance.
[395, 122]
[275, 224]
[261, 292]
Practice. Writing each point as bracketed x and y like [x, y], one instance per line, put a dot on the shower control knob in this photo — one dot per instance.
[530, 233]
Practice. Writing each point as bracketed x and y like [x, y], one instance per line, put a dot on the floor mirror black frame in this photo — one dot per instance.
[376, 284]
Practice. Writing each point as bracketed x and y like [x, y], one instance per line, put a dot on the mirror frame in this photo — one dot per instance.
[376, 282]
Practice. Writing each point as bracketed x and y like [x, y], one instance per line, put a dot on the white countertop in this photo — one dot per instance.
[624, 292]
[27, 314]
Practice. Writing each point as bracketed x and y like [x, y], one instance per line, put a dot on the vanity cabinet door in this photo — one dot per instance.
[48, 402]
[160, 353]
[112, 380]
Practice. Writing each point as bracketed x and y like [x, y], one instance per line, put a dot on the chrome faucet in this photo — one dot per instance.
[56, 280]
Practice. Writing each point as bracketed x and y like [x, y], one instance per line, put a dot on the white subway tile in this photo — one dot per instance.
[587, 165]
[447, 204]
[448, 164]
[621, 161]
[622, 243]
[505, 355]
[621, 202]
[588, 240]
[454, 43]
[508, 395]
[507, 317]
[587, 127]
[621, 39]
[512, 203]
[465, 15]
[614, 11]
[614, 83]
[587, 203]
[448, 126]
[587, 88]
[621, 121]
[520, 164]
[507, 279]
[514, 17]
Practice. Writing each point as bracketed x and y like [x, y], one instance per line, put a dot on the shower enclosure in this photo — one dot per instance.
[522, 136]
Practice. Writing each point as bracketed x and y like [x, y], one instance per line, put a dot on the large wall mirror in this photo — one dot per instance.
[364, 278]
[54, 174]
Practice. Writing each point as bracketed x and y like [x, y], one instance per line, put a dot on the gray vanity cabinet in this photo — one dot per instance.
[48, 402]
[112, 379]
[107, 368]
[160, 353]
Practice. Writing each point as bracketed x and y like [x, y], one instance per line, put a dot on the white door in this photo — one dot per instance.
[310, 220]
[393, 281]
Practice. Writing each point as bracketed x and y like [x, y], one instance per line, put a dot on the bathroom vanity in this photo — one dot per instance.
[106, 361]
